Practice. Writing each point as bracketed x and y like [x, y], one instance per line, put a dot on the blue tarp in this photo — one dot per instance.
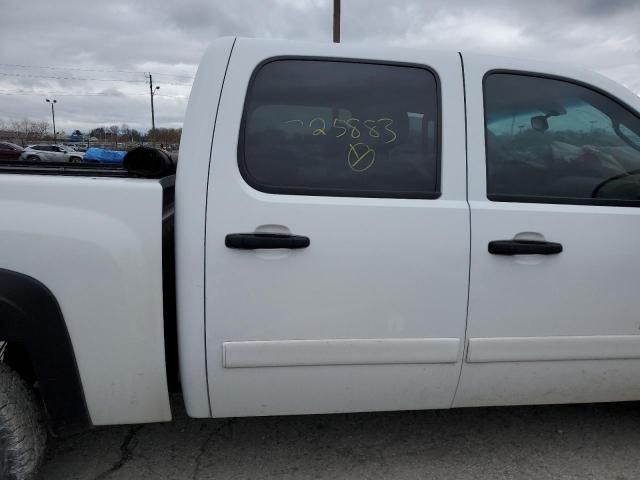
[101, 155]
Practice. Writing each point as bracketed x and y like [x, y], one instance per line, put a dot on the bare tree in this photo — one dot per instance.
[98, 133]
[125, 133]
[39, 129]
[165, 135]
[114, 129]
[21, 129]
[136, 136]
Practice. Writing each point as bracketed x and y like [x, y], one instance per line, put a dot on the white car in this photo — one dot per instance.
[51, 153]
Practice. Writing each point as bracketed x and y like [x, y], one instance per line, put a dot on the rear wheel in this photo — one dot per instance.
[33, 158]
[75, 159]
[22, 431]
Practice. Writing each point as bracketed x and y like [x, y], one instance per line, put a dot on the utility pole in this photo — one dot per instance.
[152, 91]
[53, 116]
[336, 21]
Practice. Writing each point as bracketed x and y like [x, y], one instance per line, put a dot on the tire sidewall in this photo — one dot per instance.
[23, 434]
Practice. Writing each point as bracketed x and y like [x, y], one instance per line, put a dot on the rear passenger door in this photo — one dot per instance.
[337, 235]
[554, 190]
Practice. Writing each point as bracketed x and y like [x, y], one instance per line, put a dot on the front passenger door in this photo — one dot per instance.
[554, 306]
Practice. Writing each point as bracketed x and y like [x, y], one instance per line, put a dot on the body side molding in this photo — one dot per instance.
[558, 348]
[289, 353]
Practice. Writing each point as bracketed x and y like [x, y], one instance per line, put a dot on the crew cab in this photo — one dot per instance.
[356, 229]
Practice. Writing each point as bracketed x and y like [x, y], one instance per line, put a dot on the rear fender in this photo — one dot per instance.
[30, 315]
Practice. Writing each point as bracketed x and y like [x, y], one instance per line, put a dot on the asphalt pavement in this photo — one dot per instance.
[595, 441]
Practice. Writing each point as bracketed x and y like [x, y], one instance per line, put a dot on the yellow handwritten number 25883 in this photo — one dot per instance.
[350, 127]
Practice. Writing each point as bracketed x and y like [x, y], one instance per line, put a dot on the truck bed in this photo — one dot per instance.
[62, 230]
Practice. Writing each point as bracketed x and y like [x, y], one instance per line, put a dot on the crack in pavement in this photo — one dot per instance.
[126, 453]
[204, 446]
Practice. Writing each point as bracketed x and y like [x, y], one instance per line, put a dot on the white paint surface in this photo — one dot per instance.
[96, 243]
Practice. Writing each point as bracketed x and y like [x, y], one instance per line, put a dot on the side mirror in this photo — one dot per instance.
[540, 123]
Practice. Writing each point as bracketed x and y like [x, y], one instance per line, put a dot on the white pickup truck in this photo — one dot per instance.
[356, 229]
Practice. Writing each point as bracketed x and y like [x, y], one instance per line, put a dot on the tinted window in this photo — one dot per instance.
[341, 128]
[555, 140]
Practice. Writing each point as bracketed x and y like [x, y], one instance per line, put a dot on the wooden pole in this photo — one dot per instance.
[153, 114]
[336, 21]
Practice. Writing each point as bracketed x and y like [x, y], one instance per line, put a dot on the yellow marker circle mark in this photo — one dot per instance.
[361, 157]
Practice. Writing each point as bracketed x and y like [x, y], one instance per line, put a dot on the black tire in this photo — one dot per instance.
[75, 160]
[33, 158]
[23, 435]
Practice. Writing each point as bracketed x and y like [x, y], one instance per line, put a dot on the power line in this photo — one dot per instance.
[23, 75]
[90, 69]
[61, 94]
[85, 94]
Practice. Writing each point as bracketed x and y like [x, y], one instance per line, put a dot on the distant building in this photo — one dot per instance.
[76, 136]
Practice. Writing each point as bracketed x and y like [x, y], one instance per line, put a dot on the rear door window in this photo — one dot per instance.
[346, 128]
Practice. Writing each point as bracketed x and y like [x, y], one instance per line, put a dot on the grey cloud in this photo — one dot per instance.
[112, 92]
[202, 15]
[605, 8]
[169, 37]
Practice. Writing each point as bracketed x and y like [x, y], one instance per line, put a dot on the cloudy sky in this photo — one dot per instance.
[92, 55]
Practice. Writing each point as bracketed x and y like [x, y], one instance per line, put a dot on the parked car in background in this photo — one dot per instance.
[10, 151]
[51, 153]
